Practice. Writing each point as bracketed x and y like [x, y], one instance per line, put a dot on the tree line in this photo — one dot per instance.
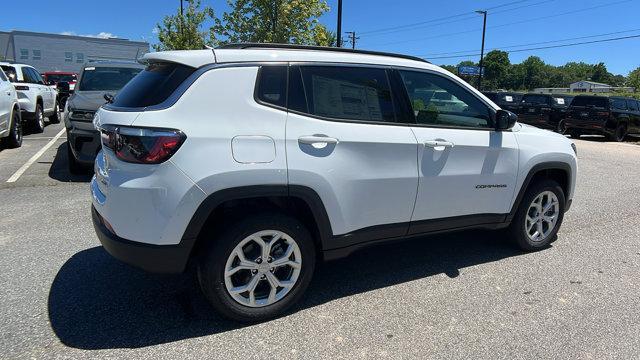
[533, 72]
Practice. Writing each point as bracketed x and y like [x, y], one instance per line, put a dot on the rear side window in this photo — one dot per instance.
[633, 105]
[351, 93]
[10, 71]
[153, 85]
[590, 101]
[272, 85]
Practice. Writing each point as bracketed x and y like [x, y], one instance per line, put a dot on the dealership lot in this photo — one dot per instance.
[465, 295]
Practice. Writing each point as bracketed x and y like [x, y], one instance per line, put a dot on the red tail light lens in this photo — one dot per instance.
[142, 145]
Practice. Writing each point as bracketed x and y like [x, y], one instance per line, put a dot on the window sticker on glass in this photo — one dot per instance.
[560, 101]
[508, 98]
[341, 99]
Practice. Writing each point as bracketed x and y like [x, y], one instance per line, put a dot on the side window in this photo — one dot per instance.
[2, 77]
[619, 104]
[272, 85]
[27, 75]
[632, 105]
[37, 76]
[438, 101]
[348, 92]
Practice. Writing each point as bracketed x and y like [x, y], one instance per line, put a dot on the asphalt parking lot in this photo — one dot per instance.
[460, 296]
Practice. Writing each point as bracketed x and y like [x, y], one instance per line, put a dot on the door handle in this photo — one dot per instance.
[438, 143]
[317, 139]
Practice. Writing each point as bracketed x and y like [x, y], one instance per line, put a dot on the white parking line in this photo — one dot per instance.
[16, 175]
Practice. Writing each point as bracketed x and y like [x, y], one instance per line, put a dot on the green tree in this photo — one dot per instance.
[450, 68]
[600, 73]
[534, 72]
[275, 21]
[185, 32]
[633, 79]
[496, 68]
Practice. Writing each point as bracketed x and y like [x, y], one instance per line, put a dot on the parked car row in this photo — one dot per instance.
[614, 117]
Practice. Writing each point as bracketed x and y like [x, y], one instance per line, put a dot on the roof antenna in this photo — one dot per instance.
[208, 47]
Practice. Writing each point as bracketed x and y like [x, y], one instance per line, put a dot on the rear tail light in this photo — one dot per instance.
[141, 145]
[22, 87]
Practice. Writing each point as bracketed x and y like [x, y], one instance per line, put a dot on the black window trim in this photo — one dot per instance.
[491, 111]
[256, 96]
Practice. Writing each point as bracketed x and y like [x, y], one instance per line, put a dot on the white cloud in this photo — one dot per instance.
[100, 35]
[155, 30]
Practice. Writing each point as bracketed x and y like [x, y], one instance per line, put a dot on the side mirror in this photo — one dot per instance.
[51, 82]
[505, 120]
[63, 86]
[108, 98]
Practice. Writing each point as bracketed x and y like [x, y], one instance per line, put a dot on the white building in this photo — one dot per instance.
[595, 87]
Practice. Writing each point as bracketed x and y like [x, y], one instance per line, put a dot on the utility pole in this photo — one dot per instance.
[484, 28]
[352, 35]
[339, 29]
[181, 18]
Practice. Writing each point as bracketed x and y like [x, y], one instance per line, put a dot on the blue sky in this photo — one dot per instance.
[536, 21]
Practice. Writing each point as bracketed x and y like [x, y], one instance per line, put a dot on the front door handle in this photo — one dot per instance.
[438, 143]
[317, 139]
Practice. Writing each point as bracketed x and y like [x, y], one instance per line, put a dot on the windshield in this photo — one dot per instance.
[590, 101]
[61, 77]
[96, 78]
[535, 99]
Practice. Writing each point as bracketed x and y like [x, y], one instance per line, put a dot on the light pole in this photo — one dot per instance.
[339, 29]
[484, 28]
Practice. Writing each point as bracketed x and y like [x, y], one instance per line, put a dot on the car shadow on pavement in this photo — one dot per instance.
[96, 302]
[60, 171]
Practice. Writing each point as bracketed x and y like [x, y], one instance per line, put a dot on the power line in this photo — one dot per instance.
[545, 47]
[436, 19]
[535, 43]
[509, 24]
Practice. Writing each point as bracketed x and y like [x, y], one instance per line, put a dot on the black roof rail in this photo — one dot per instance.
[316, 48]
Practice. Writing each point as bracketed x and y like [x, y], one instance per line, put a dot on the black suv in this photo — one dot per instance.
[613, 117]
[506, 100]
[543, 110]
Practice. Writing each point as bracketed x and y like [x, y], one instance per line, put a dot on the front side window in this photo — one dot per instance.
[24, 54]
[28, 76]
[37, 54]
[68, 56]
[97, 78]
[438, 101]
[350, 93]
[272, 85]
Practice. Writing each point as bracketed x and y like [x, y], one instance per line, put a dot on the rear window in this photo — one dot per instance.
[61, 77]
[153, 85]
[600, 102]
[535, 99]
[106, 78]
[619, 104]
[10, 71]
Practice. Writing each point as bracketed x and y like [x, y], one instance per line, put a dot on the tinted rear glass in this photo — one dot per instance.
[10, 71]
[153, 85]
[61, 77]
[272, 85]
[590, 101]
[96, 78]
[620, 104]
[536, 99]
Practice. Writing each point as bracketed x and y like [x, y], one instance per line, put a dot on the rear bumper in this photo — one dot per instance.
[152, 258]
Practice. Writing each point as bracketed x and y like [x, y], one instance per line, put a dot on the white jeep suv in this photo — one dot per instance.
[253, 161]
[37, 100]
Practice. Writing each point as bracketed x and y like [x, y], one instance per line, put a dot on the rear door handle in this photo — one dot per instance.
[438, 143]
[317, 139]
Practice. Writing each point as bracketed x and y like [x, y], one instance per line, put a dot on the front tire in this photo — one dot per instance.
[562, 127]
[620, 134]
[539, 216]
[258, 267]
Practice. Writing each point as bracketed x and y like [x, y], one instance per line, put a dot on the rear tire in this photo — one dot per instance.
[533, 217]
[14, 139]
[620, 134]
[38, 123]
[562, 127]
[216, 270]
[55, 117]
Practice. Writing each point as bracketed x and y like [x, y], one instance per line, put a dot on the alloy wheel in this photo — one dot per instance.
[542, 216]
[263, 268]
